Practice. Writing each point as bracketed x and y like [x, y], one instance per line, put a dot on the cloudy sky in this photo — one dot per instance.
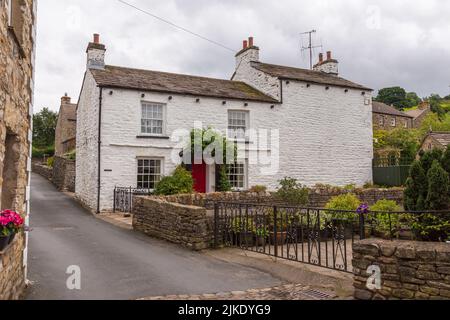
[378, 43]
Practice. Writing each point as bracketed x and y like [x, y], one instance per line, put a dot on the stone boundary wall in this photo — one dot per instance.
[188, 226]
[409, 270]
[42, 170]
[318, 197]
[64, 174]
[12, 271]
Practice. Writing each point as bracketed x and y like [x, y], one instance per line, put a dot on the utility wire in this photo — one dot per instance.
[176, 26]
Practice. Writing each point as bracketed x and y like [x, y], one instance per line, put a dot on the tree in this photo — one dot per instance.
[416, 188]
[429, 157]
[395, 96]
[446, 160]
[438, 184]
[435, 102]
[44, 126]
[413, 99]
[405, 140]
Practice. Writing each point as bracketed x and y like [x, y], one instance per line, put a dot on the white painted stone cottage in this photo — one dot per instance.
[126, 118]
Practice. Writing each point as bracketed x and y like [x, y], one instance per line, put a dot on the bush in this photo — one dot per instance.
[258, 189]
[223, 184]
[438, 185]
[429, 157]
[384, 221]
[292, 192]
[50, 162]
[344, 202]
[39, 153]
[416, 188]
[181, 182]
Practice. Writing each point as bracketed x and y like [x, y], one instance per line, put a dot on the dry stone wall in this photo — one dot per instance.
[409, 270]
[12, 271]
[64, 174]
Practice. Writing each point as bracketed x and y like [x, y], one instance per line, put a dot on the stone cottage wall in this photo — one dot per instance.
[43, 170]
[188, 226]
[409, 270]
[318, 197]
[12, 271]
[64, 174]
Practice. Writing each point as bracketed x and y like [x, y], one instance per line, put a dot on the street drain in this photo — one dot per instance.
[316, 294]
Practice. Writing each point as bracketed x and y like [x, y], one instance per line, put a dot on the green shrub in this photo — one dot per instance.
[293, 193]
[181, 182]
[416, 188]
[345, 202]
[50, 162]
[258, 189]
[438, 185]
[385, 222]
[431, 227]
[429, 157]
[223, 184]
[39, 153]
[446, 160]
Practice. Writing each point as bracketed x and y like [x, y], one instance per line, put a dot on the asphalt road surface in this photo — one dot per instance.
[116, 263]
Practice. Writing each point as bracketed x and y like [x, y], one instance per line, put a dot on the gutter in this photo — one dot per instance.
[99, 147]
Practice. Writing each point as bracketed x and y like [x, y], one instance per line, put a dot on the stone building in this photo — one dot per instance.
[386, 117]
[66, 127]
[419, 114]
[17, 50]
[435, 140]
[127, 120]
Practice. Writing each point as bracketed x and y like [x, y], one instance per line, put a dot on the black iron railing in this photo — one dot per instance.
[123, 198]
[314, 236]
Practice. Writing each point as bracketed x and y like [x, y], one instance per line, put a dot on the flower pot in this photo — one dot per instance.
[12, 237]
[280, 238]
[246, 239]
[4, 241]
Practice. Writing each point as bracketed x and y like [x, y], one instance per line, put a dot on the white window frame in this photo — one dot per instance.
[232, 128]
[244, 174]
[381, 121]
[161, 173]
[393, 122]
[142, 119]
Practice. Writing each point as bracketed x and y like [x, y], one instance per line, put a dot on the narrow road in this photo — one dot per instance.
[116, 263]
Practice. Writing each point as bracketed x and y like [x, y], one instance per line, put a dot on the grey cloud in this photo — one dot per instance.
[378, 43]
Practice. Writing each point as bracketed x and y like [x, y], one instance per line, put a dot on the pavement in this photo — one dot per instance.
[117, 263]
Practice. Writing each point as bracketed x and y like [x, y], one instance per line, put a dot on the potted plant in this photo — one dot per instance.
[10, 224]
[261, 234]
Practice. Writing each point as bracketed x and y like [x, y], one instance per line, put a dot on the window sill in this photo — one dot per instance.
[153, 137]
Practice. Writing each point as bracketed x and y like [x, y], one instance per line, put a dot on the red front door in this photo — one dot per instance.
[199, 175]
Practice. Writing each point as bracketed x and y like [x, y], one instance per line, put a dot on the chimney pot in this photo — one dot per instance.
[245, 45]
[96, 38]
[250, 42]
[320, 57]
[328, 55]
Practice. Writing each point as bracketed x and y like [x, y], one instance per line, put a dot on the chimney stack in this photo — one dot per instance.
[96, 54]
[66, 99]
[250, 42]
[330, 65]
[245, 44]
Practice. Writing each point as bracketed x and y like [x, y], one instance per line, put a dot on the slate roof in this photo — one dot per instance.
[146, 80]
[441, 137]
[290, 73]
[416, 113]
[379, 107]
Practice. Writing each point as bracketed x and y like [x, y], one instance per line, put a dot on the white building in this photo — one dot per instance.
[126, 118]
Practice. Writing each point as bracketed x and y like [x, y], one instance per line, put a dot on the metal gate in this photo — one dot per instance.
[123, 198]
[314, 236]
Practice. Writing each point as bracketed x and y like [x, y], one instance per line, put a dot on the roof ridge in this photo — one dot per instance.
[175, 74]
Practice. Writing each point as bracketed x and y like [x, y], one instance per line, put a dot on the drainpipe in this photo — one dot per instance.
[99, 147]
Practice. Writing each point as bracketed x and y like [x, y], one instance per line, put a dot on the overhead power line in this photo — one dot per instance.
[176, 26]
